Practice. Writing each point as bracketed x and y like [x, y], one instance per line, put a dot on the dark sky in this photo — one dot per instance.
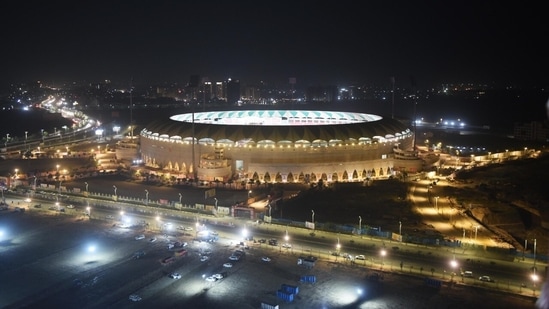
[318, 42]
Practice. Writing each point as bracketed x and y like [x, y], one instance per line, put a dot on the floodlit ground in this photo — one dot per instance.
[46, 264]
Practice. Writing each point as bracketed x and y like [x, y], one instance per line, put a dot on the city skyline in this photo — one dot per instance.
[417, 44]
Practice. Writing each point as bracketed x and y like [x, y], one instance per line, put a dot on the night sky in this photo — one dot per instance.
[317, 42]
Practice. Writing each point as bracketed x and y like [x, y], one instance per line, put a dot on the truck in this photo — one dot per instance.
[308, 262]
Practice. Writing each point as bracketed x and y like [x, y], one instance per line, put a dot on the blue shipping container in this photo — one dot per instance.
[289, 289]
[285, 296]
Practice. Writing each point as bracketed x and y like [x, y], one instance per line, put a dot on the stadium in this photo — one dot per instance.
[277, 146]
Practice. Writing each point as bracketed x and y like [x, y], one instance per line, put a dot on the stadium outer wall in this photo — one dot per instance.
[278, 162]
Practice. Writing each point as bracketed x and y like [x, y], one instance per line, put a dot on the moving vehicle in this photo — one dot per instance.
[485, 278]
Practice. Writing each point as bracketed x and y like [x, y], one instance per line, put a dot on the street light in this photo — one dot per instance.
[147, 197]
[382, 253]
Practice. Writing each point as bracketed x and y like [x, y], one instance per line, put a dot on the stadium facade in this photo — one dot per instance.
[278, 146]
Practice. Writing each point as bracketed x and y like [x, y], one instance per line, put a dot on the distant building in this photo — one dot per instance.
[326, 94]
[233, 92]
[532, 131]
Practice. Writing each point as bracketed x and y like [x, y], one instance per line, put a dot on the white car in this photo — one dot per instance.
[139, 237]
[218, 276]
[266, 259]
[485, 278]
[135, 297]
[228, 265]
[211, 279]
[175, 275]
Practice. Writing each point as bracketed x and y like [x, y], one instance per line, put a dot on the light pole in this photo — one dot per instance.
[534, 255]
[359, 224]
[146, 197]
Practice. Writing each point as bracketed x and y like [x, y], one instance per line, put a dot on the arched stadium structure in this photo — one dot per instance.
[278, 146]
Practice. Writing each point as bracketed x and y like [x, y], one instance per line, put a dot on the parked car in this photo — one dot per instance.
[175, 275]
[220, 276]
[211, 279]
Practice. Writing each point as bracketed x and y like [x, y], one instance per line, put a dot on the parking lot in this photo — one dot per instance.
[47, 262]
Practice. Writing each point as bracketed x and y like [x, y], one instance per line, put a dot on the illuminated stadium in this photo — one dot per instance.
[278, 146]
